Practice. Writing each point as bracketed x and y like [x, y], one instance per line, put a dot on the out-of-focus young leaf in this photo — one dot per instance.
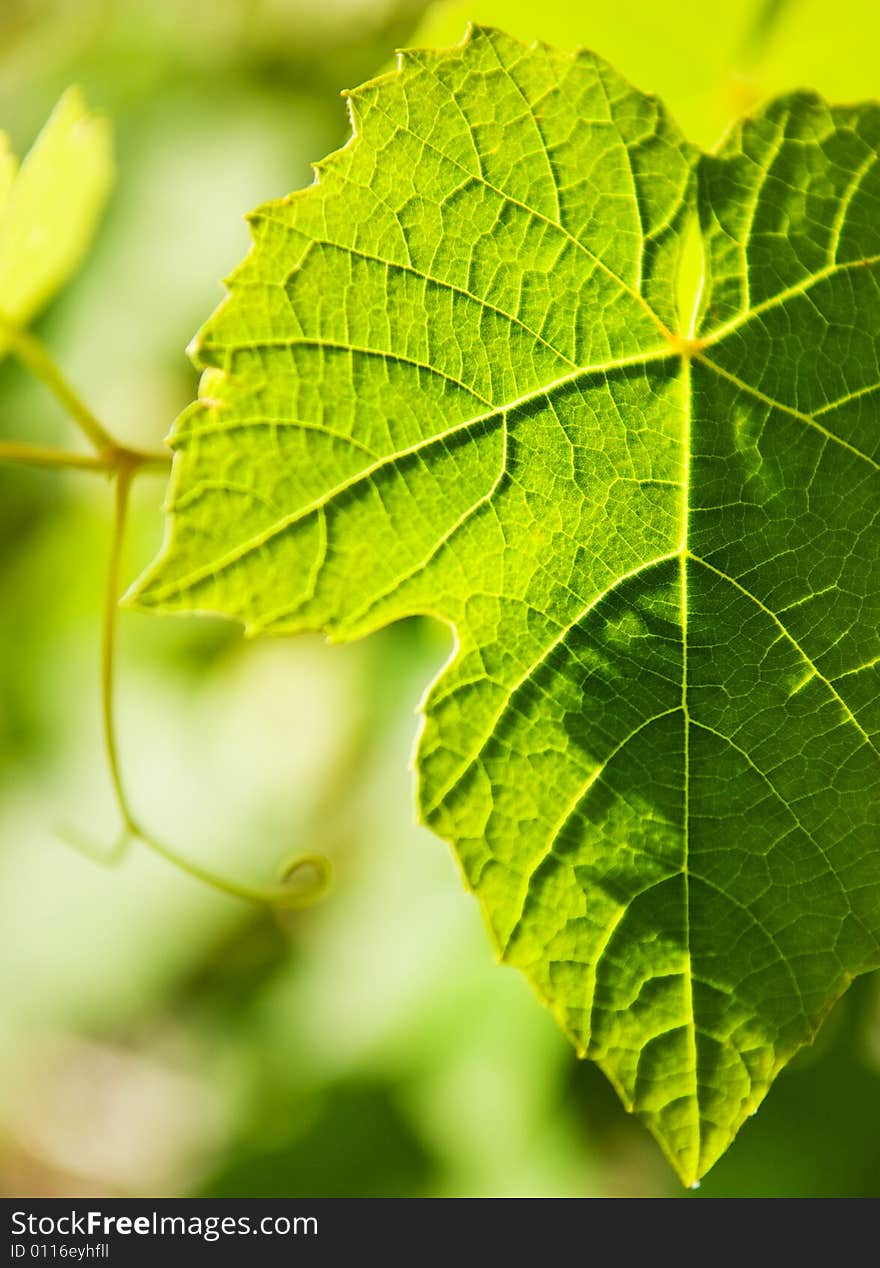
[834, 51]
[8, 168]
[49, 208]
[452, 378]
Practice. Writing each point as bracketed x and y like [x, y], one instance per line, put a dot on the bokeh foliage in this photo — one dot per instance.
[157, 1038]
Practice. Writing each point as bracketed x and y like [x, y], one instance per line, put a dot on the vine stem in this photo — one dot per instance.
[45, 456]
[106, 462]
[109, 624]
[35, 357]
[122, 465]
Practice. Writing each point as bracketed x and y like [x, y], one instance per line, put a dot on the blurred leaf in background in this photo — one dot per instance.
[157, 1038]
[50, 206]
[709, 63]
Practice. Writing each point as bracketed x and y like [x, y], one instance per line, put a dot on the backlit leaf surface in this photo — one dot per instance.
[452, 378]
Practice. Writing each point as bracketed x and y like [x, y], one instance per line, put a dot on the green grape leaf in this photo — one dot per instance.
[49, 208]
[451, 378]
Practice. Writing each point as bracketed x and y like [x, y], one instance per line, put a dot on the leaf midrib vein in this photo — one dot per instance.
[808, 419]
[795, 291]
[573, 806]
[691, 1024]
[855, 182]
[493, 414]
[546, 652]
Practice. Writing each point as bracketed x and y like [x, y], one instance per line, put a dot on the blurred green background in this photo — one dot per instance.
[157, 1038]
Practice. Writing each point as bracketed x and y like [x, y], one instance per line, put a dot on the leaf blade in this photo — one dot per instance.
[448, 380]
